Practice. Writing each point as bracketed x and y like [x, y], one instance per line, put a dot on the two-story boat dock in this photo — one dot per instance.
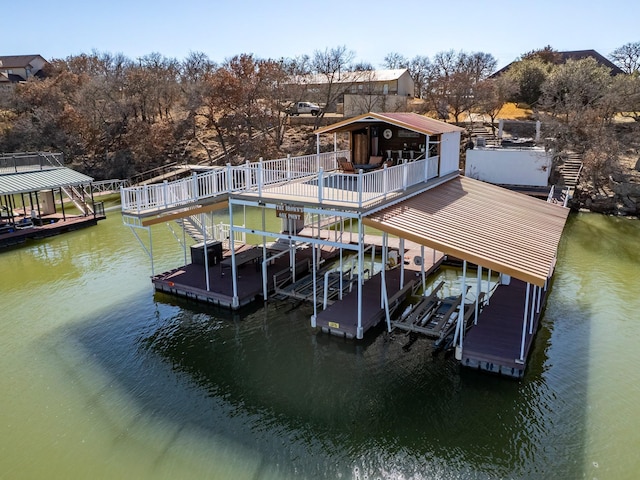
[327, 199]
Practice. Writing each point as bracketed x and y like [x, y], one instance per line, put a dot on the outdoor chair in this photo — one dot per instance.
[345, 165]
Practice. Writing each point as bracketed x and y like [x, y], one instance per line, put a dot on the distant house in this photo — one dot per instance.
[365, 90]
[576, 55]
[19, 68]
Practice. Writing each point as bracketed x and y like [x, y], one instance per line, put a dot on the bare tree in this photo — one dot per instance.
[578, 105]
[491, 95]
[395, 60]
[627, 89]
[452, 79]
[419, 68]
[329, 65]
[627, 57]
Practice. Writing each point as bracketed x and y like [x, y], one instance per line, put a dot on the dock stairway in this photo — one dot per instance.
[77, 197]
[192, 228]
[568, 173]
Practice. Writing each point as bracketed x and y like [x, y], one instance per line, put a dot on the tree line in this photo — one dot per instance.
[113, 116]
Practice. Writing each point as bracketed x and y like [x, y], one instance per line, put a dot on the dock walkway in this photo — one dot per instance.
[189, 281]
[494, 343]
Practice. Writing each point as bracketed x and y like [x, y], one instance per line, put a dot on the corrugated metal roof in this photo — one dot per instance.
[409, 121]
[484, 224]
[46, 179]
[358, 76]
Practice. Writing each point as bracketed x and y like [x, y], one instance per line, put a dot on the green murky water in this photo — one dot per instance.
[103, 379]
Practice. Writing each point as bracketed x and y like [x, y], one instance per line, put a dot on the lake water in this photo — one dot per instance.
[102, 378]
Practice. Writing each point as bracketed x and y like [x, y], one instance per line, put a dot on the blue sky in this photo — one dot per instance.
[274, 29]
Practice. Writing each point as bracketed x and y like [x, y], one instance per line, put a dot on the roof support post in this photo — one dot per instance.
[383, 273]
[264, 257]
[478, 288]
[539, 299]
[422, 272]
[203, 222]
[359, 332]
[232, 246]
[384, 300]
[524, 324]
[315, 288]
[533, 310]
[488, 285]
[401, 260]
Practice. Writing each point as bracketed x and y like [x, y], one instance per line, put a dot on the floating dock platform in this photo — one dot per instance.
[494, 344]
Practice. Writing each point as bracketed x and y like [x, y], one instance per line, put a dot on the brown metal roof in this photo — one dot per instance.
[409, 121]
[484, 224]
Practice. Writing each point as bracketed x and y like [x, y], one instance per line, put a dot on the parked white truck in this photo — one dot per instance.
[298, 108]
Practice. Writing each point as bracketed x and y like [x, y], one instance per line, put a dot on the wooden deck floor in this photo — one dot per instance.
[52, 225]
[341, 318]
[190, 280]
[494, 343]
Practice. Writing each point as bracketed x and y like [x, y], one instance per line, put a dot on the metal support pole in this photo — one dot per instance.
[315, 292]
[383, 272]
[206, 253]
[533, 310]
[232, 246]
[524, 324]
[151, 252]
[264, 257]
[488, 285]
[401, 260]
[359, 332]
[424, 276]
[479, 287]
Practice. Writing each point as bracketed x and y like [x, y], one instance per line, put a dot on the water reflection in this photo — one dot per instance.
[115, 379]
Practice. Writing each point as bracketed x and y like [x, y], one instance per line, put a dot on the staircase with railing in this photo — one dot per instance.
[569, 171]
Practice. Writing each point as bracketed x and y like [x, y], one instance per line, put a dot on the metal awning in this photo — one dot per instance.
[484, 224]
[408, 121]
[46, 179]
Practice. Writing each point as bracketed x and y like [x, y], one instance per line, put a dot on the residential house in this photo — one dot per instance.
[365, 90]
[575, 55]
[19, 68]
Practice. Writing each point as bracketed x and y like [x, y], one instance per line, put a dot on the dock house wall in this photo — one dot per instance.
[449, 153]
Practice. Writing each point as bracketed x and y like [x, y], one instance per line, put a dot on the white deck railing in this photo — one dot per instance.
[311, 176]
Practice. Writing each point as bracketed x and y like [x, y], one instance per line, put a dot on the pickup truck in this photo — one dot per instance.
[298, 108]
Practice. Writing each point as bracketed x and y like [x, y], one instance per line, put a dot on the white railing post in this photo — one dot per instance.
[288, 166]
[229, 179]
[320, 185]
[247, 176]
[260, 179]
[404, 175]
[165, 192]
[360, 188]
[385, 181]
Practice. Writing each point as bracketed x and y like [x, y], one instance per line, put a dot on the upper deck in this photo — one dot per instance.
[310, 179]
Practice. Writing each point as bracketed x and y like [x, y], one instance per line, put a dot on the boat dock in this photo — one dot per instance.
[190, 281]
[496, 344]
[48, 226]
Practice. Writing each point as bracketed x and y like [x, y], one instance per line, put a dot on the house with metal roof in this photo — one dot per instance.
[360, 91]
